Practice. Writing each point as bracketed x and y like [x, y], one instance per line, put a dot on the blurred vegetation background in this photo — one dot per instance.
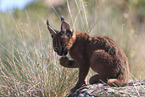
[28, 65]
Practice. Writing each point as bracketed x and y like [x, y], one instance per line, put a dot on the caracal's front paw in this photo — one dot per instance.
[77, 87]
[64, 60]
[74, 89]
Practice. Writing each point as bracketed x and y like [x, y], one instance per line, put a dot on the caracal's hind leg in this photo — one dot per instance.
[111, 82]
[109, 71]
[102, 63]
[97, 79]
[116, 83]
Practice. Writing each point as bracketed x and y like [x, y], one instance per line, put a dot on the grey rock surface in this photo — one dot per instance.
[133, 89]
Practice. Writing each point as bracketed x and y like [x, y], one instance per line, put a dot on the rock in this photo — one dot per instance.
[134, 88]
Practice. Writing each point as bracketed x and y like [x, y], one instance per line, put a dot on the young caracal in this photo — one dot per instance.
[100, 53]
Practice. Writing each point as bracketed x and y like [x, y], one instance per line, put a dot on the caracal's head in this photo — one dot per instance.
[62, 40]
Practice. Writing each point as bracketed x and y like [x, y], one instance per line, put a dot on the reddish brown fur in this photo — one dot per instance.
[100, 53]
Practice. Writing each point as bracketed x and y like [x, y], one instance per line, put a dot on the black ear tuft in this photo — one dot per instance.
[47, 22]
[62, 18]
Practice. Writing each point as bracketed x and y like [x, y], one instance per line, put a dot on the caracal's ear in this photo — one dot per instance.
[65, 27]
[51, 30]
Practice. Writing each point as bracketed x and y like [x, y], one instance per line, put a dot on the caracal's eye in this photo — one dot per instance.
[55, 49]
